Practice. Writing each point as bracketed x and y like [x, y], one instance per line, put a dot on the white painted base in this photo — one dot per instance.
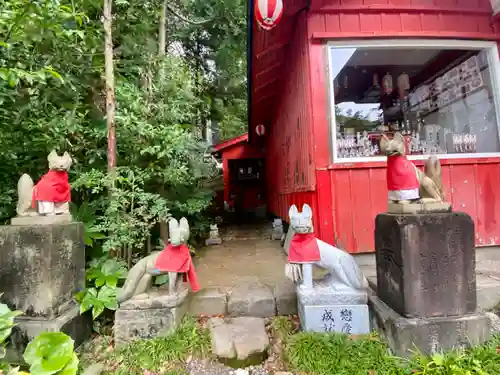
[348, 319]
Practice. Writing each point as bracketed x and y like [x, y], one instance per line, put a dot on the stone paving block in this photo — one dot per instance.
[253, 299]
[285, 295]
[209, 301]
[239, 341]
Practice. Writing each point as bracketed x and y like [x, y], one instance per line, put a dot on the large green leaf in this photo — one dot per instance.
[49, 353]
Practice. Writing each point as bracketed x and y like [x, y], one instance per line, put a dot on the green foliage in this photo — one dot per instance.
[86, 214]
[161, 355]
[325, 354]
[6, 323]
[103, 277]
[51, 353]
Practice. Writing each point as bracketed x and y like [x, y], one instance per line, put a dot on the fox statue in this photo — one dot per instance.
[405, 182]
[174, 259]
[51, 195]
[305, 250]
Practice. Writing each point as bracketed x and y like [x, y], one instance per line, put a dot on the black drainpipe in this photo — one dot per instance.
[250, 15]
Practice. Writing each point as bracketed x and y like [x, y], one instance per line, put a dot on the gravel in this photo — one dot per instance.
[206, 367]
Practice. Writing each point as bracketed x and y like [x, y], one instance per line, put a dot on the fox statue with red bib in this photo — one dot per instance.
[305, 250]
[51, 195]
[174, 260]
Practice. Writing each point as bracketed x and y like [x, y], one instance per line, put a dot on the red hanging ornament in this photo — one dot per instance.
[268, 13]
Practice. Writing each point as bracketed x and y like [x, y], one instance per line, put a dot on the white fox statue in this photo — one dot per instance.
[51, 195]
[175, 260]
[305, 250]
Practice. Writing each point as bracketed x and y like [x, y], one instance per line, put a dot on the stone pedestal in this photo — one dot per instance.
[324, 308]
[149, 315]
[426, 276]
[41, 268]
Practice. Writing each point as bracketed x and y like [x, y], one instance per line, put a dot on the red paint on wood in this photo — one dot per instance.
[324, 204]
[346, 197]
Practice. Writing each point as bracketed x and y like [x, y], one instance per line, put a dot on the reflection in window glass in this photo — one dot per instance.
[440, 100]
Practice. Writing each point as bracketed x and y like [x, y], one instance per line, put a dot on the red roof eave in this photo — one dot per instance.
[230, 143]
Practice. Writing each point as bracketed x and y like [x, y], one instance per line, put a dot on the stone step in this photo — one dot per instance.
[239, 342]
[252, 299]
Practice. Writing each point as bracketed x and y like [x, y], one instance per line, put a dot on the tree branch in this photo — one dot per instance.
[182, 18]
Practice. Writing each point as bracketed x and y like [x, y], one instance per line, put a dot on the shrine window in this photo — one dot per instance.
[442, 95]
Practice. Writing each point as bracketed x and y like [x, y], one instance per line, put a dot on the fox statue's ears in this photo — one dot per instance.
[184, 226]
[306, 211]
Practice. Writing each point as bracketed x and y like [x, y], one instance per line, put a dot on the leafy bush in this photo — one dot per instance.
[103, 277]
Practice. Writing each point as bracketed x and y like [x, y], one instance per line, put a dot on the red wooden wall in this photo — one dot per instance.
[290, 169]
[349, 196]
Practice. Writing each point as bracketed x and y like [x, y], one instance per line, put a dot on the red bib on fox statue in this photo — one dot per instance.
[52, 187]
[303, 249]
[401, 174]
[178, 259]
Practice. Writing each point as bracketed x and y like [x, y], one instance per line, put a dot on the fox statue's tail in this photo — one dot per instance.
[432, 169]
[24, 191]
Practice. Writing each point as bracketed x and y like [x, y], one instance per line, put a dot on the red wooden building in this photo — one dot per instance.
[243, 173]
[333, 75]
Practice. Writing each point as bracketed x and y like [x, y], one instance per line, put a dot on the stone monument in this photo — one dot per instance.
[277, 233]
[42, 260]
[336, 303]
[426, 281]
[214, 237]
[146, 312]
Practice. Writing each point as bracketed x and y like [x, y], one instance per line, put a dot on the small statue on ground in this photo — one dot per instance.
[51, 195]
[405, 182]
[174, 259]
[213, 237]
[277, 233]
[304, 249]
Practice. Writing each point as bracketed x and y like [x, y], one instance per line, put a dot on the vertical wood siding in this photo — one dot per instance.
[290, 169]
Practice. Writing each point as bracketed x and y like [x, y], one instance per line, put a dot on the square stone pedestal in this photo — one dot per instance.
[149, 315]
[426, 282]
[426, 263]
[42, 267]
[324, 309]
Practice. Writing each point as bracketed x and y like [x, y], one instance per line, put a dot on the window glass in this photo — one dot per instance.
[440, 100]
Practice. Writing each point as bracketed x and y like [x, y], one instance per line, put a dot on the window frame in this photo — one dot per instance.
[493, 59]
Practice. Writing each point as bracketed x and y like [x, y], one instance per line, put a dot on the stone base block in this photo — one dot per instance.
[146, 318]
[429, 335]
[426, 264]
[277, 234]
[72, 323]
[348, 319]
[46, 267]
[209, 301]
[255, 300]
[42, 219]
[418, 208]
[324, 292]
[213, 241]
[285, 295]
